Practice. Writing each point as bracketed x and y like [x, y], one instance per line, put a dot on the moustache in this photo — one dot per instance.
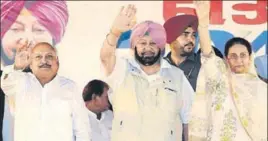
[45, 66]
[147, 53]
[190, 43]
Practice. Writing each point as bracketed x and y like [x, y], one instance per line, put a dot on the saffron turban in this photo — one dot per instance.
[175, 26]
[53, 15]
[155, 30]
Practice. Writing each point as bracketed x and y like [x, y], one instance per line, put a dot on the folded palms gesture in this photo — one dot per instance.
[125, 20]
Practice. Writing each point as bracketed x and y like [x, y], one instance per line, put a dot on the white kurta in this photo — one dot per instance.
[148, 108]
[54, 112]
[101, 129]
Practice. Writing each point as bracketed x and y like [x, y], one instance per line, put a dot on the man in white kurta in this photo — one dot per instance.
[101, 128]
[95, 95]
[45, 109]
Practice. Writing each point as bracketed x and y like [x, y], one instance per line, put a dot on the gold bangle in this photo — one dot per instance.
[108, 40]
[111, 31]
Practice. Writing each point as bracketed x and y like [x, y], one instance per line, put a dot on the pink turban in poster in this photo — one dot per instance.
[155, 30]
[175, 26]
[53, 15]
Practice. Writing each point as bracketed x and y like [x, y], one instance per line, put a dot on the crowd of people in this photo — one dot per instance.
[145, 96]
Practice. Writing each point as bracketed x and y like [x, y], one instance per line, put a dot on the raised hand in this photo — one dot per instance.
[22, 58]
[202, 9]
[125, 20]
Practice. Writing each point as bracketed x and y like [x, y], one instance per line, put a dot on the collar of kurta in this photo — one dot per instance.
[91, 114]
[54, 82]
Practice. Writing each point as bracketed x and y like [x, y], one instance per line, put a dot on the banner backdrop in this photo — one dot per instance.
[90, 21]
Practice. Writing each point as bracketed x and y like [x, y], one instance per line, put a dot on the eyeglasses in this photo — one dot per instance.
[47, 56]
[235, 56]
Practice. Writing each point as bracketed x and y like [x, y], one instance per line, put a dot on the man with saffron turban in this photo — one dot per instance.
[150, 97]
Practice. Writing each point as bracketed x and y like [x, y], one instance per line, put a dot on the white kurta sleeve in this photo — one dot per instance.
[187, 99]
[10, 80]
[81, 125]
